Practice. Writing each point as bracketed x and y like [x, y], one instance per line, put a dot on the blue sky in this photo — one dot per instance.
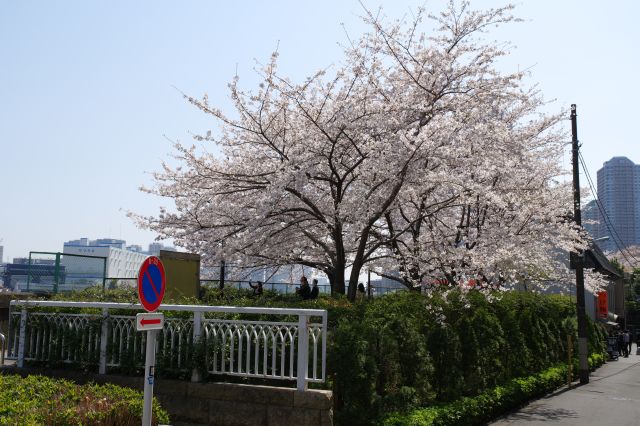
[89, 105]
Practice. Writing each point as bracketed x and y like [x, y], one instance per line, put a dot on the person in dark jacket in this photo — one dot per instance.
[257, 289]
[621, 345]
[360, 294]
[314, 289]
[304, 290]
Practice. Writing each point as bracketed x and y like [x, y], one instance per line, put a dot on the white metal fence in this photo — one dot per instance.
[2, 348]
[215, 339]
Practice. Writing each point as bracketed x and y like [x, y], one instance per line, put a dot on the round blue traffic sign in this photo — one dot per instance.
[151, 283]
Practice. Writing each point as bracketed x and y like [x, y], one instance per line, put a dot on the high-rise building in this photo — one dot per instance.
[591, 218]
[619, 196]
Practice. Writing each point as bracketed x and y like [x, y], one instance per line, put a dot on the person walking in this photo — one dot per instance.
[622, 347]
[626, 338]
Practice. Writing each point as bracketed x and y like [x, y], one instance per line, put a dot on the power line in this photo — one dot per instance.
[607, 220]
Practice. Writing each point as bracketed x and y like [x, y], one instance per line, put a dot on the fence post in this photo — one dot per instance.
[303, 352]
[2, 348]
[56, 278]
[104, 274]
[23, 333]
[197, 334]
[29, 272]
[103, 341]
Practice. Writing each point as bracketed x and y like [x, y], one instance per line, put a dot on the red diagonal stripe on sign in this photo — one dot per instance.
[153, 286]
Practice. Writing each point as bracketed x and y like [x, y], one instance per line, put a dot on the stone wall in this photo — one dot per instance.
[219, 403]
[237, 404]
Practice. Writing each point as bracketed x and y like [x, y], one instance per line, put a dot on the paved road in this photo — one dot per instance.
[612, 397]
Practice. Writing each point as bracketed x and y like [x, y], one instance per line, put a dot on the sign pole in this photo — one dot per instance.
[151, 287]
[149, 367]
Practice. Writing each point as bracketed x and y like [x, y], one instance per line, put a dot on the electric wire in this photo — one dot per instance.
[607, 220]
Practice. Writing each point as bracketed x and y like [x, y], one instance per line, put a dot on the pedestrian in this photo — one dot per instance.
[620, 341]
[314, 289]
[257, 289]
[626, 341]
[360, 293]
[304, 290]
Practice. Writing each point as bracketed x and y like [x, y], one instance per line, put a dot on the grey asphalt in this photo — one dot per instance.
[612, 397]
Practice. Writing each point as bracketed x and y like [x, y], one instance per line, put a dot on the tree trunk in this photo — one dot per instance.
[353, 280]
[337, 281]
[337, 285]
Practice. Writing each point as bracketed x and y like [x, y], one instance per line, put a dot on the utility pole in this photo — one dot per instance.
[583, 365]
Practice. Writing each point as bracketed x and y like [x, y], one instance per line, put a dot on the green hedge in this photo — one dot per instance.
[405, 351]
[37, 400]
[492, 403]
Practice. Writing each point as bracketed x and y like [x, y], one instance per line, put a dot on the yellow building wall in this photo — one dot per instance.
[182, 272]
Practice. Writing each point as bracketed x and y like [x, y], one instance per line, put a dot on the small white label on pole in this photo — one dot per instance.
[146, 322]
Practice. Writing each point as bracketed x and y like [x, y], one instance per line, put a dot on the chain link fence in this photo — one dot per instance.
[48, 272]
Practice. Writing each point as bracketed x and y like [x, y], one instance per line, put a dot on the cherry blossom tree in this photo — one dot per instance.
[415, 155]
[628, 257]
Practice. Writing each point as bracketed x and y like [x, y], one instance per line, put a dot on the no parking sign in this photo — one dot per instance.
[151, 283]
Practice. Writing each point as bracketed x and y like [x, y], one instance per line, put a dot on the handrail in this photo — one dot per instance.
[250, 360]
[2, 348]
[170, 307]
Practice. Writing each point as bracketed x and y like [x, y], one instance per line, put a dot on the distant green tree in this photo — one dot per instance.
[617, 266]
[635, 284]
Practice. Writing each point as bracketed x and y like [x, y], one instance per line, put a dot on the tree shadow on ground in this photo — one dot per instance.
[543, 414]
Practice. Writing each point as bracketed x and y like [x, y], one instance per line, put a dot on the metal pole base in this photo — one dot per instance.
[150, 360]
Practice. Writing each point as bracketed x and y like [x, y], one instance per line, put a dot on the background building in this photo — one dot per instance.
[619, 214]
[591, 219]
[121, 262]
[154, 249]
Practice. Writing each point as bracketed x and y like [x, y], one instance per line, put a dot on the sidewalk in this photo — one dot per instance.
[612, 397]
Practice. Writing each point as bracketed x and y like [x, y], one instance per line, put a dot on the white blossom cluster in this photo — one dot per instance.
[415, 158]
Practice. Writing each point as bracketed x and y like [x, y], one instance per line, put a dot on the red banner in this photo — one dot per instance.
[603, 305]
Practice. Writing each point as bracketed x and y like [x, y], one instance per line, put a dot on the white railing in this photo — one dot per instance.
[287, 350]
[3, 344]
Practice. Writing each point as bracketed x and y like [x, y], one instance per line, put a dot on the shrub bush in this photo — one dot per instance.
[491, 403]
[37, 400]
[408, 350]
